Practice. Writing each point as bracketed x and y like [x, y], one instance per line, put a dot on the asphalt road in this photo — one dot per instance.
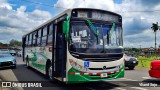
[129, 82]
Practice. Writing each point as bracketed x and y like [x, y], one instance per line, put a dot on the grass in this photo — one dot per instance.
[145, 61]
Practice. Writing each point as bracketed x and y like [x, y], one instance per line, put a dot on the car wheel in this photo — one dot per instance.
[131, 67]
[49, 72]
[13, 67]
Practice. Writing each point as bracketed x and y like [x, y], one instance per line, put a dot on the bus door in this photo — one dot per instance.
[60, 53]
[23, 47]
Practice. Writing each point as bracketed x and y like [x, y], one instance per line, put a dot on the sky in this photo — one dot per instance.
[18, 17]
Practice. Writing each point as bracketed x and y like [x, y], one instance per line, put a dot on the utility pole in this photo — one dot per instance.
[140, 48]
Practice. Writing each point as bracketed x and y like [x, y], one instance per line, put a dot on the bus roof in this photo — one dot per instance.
[68, 12]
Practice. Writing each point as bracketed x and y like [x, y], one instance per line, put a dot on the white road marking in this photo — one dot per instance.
[120, 89]
[139, 88]
[128, 79]
[146, 77]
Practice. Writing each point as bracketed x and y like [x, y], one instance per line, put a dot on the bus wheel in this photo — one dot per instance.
[27, 62]
[49, 72]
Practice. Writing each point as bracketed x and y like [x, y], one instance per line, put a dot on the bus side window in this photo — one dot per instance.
[44, 36]
[50, 32]
[29, 40]
[26, 41]
[34, 38]
[39, 37]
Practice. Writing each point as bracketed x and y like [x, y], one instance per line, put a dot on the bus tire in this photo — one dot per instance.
[27, 62]
[49, 71]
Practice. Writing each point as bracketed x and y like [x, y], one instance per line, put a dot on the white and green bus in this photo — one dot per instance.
[78, 45]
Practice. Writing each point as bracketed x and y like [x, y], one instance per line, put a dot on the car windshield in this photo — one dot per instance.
[4, 54]
[12, 51]
[95, 38]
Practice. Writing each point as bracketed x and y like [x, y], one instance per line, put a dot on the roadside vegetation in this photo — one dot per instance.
[144, 61]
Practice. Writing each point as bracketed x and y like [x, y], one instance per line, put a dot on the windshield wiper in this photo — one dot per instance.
[112, 29]
[95, 31]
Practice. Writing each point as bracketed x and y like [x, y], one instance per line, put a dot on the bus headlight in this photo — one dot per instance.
[73, 64]
[126, 59]
[78, 67]
[120, 66]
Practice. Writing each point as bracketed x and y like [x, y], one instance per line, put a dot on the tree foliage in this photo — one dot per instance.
[15, 43]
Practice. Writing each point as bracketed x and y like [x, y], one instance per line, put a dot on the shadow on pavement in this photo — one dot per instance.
[153, 80]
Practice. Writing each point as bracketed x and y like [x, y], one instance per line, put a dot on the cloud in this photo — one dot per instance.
[136, 23]
[135, 26]
[15, 23]
[98, 4]
[150, 3]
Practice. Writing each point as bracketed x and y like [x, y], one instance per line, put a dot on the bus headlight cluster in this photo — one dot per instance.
[77, 66]
[120, 66]
[126, 59]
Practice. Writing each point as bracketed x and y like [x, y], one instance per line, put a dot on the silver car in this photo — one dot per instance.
[7, 60]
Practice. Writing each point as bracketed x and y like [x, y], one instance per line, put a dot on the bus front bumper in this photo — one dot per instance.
[81, 77]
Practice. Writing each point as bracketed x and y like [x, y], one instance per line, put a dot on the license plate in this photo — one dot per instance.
[103, 75]
[134, 61]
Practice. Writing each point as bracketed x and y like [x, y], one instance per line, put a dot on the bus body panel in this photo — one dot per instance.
[38, 57]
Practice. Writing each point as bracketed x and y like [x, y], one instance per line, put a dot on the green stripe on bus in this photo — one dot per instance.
[86, 78]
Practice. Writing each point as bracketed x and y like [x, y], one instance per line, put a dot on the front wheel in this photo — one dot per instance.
[131, 67]
[27, 62]
[13, 67]
[49, 72]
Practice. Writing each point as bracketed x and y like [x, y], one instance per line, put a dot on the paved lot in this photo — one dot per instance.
[129, 82]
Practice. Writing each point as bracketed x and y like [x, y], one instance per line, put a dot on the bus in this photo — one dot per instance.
[78, 45]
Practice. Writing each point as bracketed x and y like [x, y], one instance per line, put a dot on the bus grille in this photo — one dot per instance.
[101, 59]
[102, 68]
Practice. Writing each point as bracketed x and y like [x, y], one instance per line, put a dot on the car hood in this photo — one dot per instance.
[128, 57]
[4, 59]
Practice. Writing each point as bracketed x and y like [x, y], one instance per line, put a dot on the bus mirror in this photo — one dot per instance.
[66, 28]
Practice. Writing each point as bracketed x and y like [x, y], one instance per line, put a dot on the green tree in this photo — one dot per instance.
[15, 43]
[1, 44]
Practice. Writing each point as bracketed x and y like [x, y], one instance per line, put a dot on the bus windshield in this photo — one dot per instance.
[95, 38]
